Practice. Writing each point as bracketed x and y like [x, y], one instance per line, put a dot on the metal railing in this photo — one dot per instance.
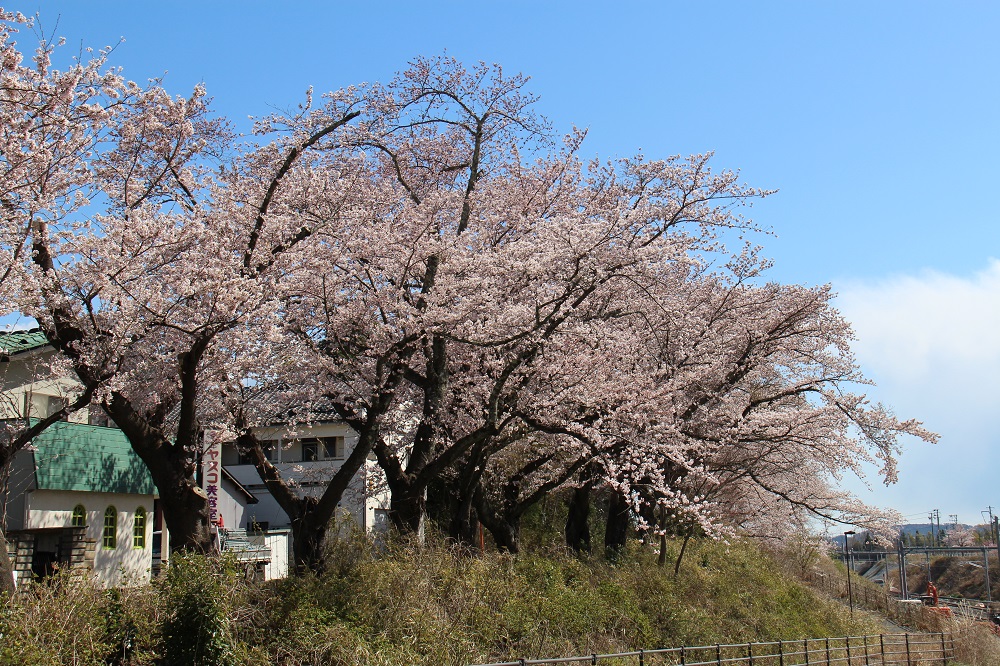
[917, 649]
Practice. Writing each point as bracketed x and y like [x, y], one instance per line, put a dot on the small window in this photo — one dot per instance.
[269, 449]
[139, 528]
[110, 535]
[310, 450]
[333, 448]
[40, 406]
[79, 516]
[322, 448]
[96, 416]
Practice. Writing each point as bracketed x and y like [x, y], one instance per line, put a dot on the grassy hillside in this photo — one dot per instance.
[429, 606]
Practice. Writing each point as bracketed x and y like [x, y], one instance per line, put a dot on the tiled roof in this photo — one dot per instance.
[15, 342]
[76, 456]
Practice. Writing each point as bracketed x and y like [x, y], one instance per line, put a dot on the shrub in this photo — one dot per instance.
[58, 622]
[196, 628]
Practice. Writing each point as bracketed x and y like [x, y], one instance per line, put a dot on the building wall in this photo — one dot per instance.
[20, 482]
[27, 379]
[122, 565]
[233, 506]
[311, 478]
[280, 543]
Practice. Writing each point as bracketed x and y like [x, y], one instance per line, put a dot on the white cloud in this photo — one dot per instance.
[932, 343]
[928, 328]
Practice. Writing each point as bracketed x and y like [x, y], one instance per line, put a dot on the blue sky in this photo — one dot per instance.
[877, 122]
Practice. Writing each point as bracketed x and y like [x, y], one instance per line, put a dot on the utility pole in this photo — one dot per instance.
[934, 515]
[847, 560]
[902, 569]
[986, 557]
[996, 532]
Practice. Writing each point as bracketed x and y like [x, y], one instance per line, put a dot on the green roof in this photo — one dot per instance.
[15, 342]
[76, 456]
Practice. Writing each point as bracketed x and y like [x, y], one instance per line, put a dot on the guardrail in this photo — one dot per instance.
[917, 649]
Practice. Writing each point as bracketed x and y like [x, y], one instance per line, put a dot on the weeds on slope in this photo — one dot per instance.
[435, 604]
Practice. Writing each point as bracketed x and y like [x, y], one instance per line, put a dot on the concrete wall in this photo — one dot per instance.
[123, 565]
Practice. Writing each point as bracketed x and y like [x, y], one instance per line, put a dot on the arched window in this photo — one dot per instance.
[79, 518]
[139, 528]
[110, 535]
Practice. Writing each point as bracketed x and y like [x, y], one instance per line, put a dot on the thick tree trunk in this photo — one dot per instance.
[186, 514]
[463, 526]
[465, 523]
[408, 512]
[173, 468]
[506, 533]
[6, 569]
[308, 540]
[504, 524]
[577, 520]
[617, 527]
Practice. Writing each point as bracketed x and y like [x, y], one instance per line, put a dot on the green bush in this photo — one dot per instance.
[196, 627]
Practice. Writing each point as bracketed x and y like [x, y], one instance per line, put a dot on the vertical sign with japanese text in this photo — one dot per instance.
[211, 474]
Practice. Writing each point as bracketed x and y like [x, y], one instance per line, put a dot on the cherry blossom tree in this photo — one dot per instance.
[147, 264]
[489, 254]
[757, 418]
[47, 125]
[959, 536]
[737, 414]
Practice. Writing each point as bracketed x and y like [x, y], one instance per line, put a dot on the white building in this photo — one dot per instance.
[79, 498]
[308, 459]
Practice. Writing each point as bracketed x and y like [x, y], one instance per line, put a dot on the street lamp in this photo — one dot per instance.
[850, 593]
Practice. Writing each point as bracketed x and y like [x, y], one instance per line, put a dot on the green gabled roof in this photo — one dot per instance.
[76, 456]
[15, 342]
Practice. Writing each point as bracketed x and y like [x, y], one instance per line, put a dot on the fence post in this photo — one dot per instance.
[881, 648]
[682, 656]
[847, 641]
[593, 657]
[828, 652]
[718, 654]
[943, 660]
[781, 653]
[907, 638]
[805, 649]
[642, 657]
[750, 653]
[867, 663]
